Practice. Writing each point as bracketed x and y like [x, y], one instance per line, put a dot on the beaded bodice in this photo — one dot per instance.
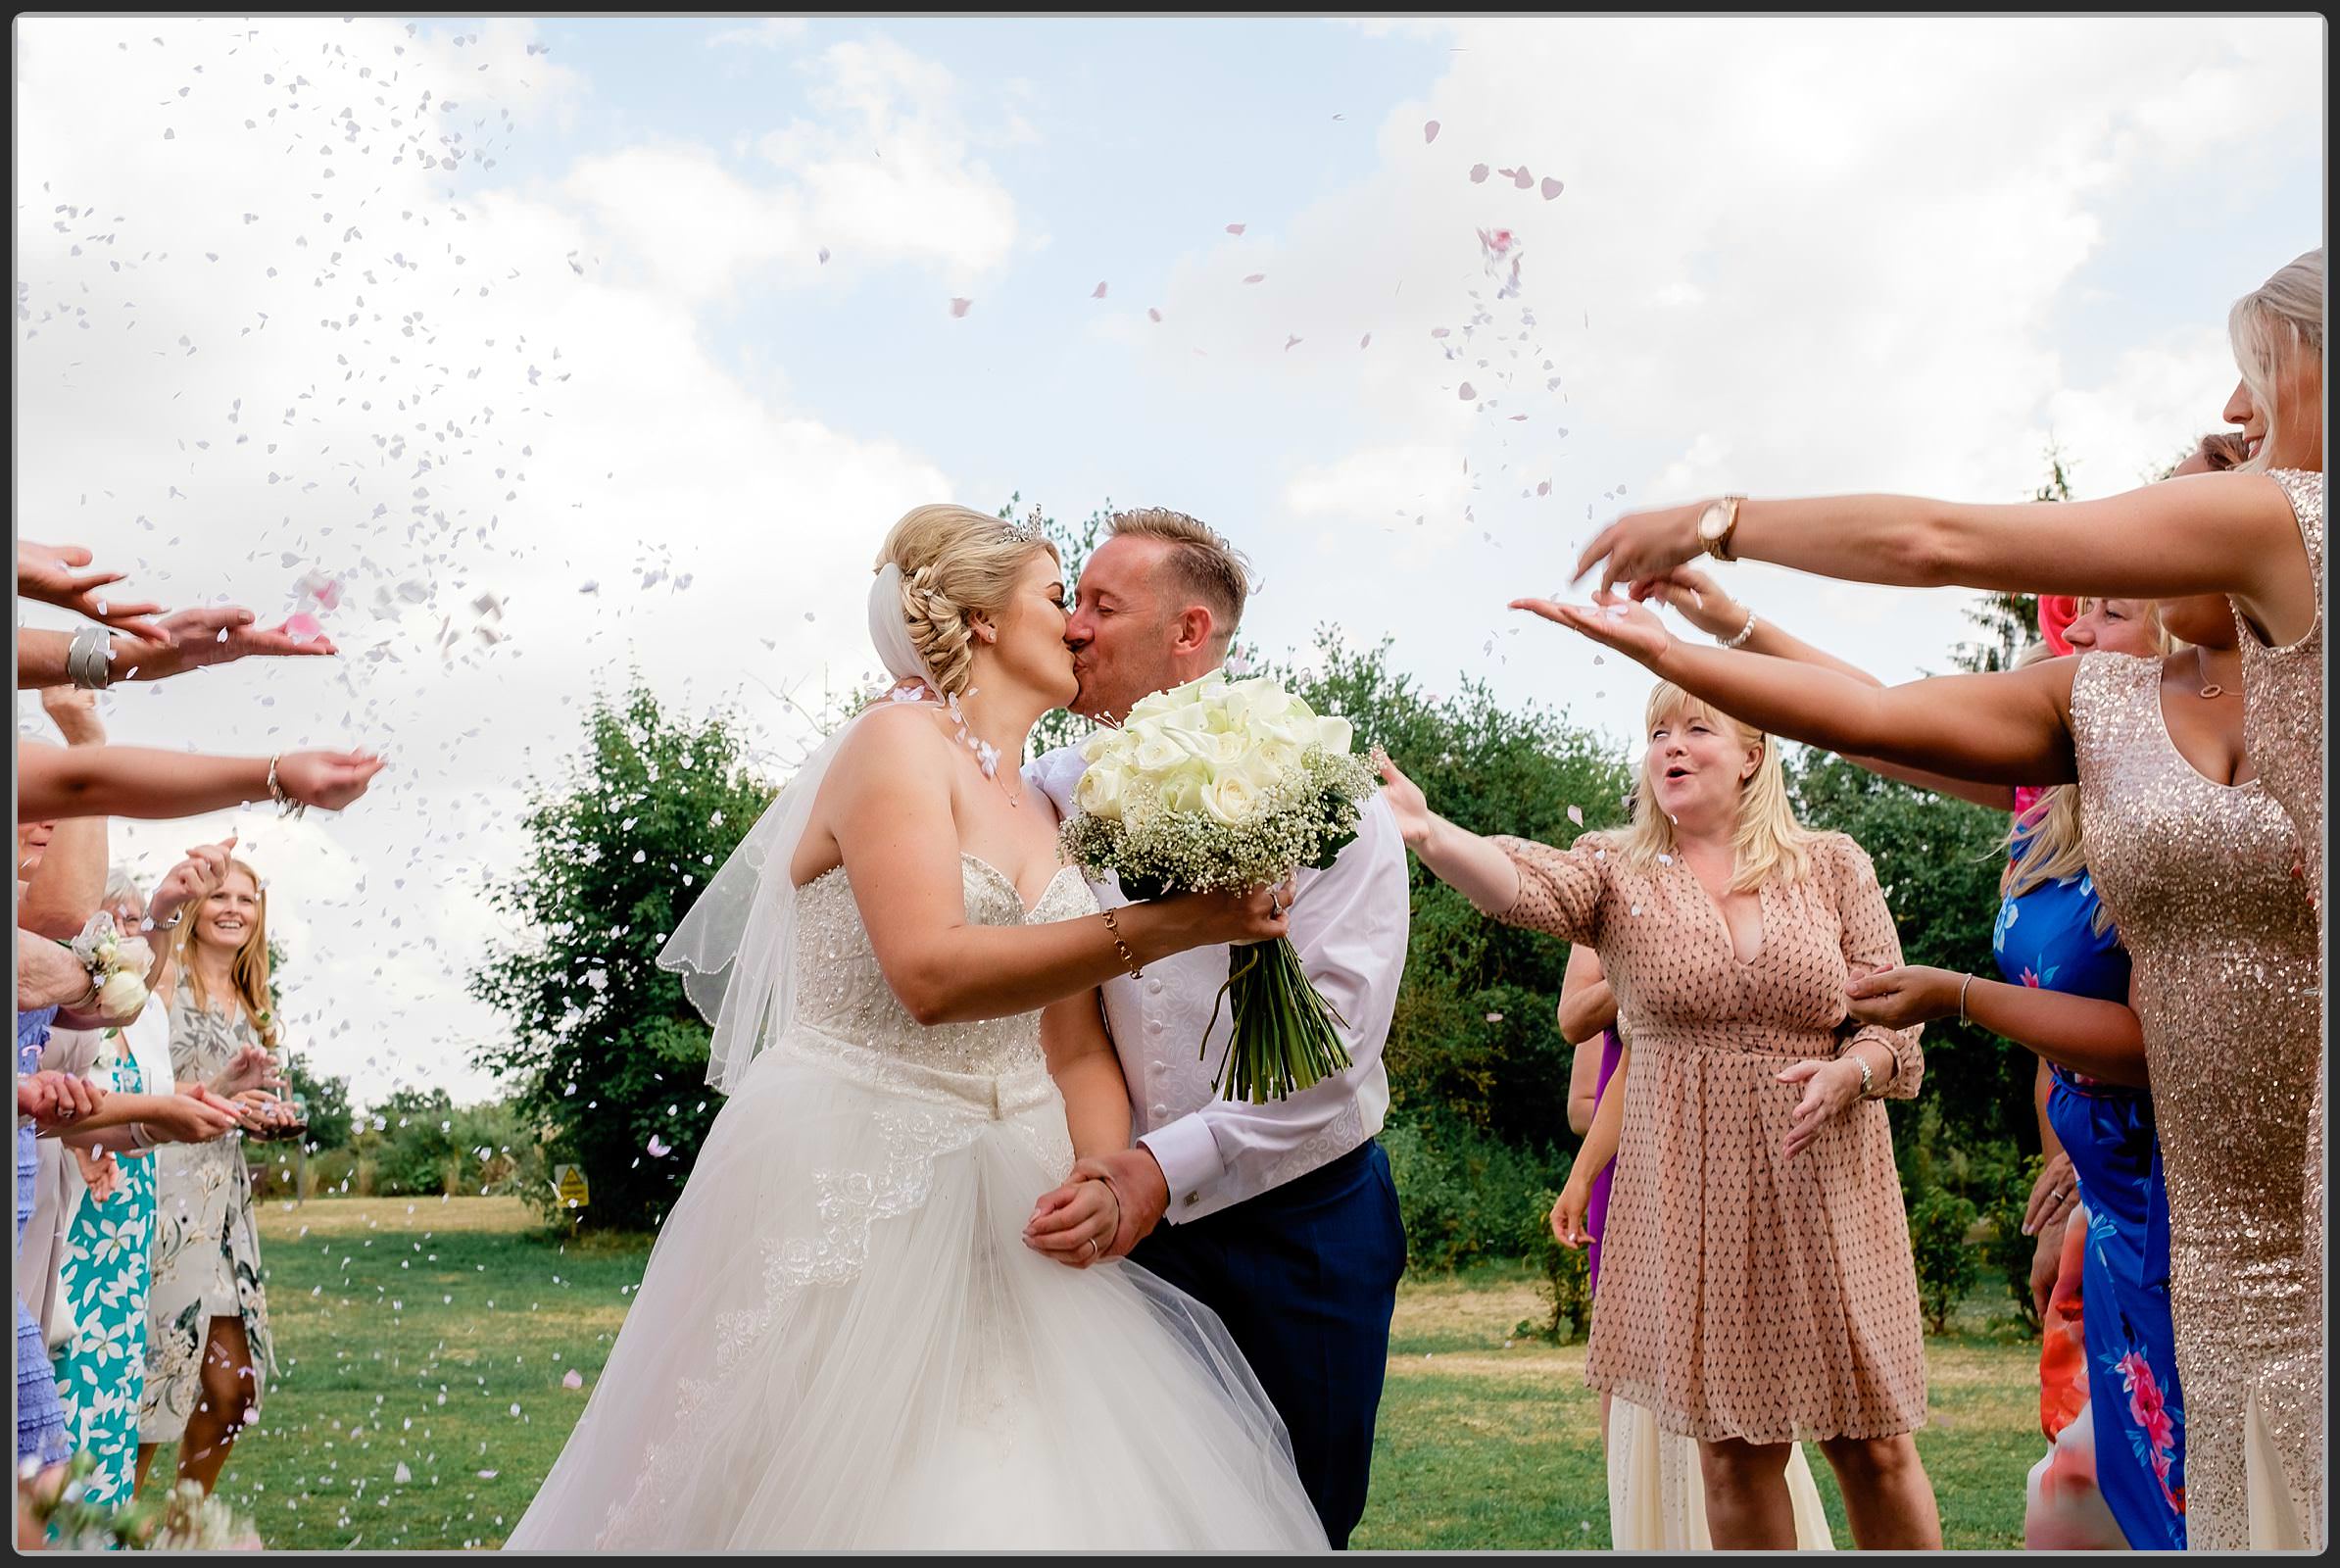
[842, 993]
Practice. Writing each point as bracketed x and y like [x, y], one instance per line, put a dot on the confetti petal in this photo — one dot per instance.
[1099, 293]
[1152, 315]
[1576, 814]
[1234, 229]
[572, 1379]
[1255, 278]
[1466, 393]
[1479, 173]
[1430, 132]
[960, 306]
[1551, 187]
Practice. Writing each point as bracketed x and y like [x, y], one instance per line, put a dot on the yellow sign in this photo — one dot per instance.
[570, 1183]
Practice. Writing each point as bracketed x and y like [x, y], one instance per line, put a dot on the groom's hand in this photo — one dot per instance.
[1137, 1182]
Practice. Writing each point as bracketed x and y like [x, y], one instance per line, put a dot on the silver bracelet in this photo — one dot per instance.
[1744, 632]
[1962, 998]
[88, 658]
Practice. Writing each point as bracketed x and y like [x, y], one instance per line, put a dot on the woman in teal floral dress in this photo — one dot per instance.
[105, 1272]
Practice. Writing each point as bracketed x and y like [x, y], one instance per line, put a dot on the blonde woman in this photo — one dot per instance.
[208, 1349]
[855, 1333]
[1758, 1287]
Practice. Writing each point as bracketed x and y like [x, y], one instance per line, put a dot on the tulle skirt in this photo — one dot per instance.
[1657, 1493]
[842, 1342]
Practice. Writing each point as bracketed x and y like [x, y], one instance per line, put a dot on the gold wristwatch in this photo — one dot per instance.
[1716, 525]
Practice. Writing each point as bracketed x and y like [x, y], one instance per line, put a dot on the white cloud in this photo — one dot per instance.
[1791, 255]
[883, 177]
[434, 387]
[769, 33]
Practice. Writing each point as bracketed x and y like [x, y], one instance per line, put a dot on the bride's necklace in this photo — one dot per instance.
[987, 756]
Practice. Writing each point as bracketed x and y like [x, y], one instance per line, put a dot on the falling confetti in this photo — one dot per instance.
[1234, 229]
[1430, 132]
[1576, 814]
[1551, 187]
[1152, 315]
[1256, 277]
[1479, 173]
[960, 306]
[1098, 292]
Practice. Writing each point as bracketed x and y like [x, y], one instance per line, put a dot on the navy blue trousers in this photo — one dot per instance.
[1305, 1277]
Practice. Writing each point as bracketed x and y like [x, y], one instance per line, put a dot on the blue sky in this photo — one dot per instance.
[1791, 255]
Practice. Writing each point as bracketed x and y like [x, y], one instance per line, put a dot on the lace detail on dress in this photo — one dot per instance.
[943, 1088]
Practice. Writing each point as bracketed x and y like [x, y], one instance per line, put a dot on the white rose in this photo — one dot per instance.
[123, 996]
[1156, 753]
[1182, 791]
[1100, 792]
[1231, 799]
[1271, 763]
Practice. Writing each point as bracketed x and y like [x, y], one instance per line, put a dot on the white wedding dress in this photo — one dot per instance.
[842, 1340]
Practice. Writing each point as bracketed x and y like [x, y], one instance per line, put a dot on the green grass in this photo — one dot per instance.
[434, 1334]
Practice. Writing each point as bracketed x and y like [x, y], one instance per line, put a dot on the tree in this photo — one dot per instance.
[605, 1048]
[1474, 1039]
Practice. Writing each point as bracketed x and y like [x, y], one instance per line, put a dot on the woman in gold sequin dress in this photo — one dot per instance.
[2255, 536]
[2194, 857]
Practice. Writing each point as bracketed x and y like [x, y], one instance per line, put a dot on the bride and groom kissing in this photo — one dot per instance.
[974, 1257]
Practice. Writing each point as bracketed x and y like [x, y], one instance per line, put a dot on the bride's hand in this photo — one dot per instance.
[1633, 630]
[1075, 1224]
[1261, 915]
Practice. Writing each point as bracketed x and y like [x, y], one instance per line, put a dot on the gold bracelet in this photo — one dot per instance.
[1129, 959]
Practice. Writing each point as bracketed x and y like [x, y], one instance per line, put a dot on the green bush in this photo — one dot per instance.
[1567, 1277]
[2003, 1179]
[333, 1172]
[1948, 1265]
[1462, 1191]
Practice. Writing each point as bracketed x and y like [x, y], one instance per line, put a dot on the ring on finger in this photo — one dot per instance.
[1094, 1250]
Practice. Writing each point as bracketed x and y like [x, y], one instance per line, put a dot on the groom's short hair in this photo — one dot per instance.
[1200, 561]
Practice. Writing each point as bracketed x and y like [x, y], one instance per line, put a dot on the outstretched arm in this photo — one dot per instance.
[138, 781]
[1702, 603]
[2229, 533]
[2099, 1039]
[2012, 727]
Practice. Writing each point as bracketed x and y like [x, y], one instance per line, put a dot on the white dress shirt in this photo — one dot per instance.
[1348, 925]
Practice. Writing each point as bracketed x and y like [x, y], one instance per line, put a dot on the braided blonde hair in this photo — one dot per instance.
[955, 563]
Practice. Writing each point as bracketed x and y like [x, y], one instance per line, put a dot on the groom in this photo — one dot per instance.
[1282, 1218]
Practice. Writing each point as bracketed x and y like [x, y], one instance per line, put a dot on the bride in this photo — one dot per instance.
[856, 1330]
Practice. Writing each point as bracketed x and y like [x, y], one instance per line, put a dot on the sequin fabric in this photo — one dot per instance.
[2198, 875]
[2284, 731]
[1744, 1295]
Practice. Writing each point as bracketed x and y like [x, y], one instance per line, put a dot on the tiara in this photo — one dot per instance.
[1028, 532]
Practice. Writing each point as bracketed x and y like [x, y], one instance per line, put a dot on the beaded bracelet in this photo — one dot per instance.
[1129, 959]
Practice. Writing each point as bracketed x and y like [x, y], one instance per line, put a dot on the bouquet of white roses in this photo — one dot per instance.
[1228, 784]
[117, 966]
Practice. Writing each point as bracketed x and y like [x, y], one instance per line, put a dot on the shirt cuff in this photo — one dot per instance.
[1188, 1155]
